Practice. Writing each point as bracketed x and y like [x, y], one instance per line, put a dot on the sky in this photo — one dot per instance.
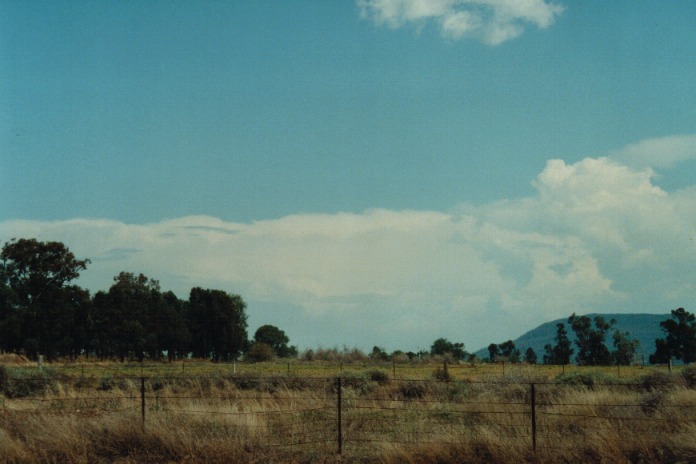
[370, 172]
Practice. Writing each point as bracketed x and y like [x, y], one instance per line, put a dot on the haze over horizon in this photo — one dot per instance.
[379, 172]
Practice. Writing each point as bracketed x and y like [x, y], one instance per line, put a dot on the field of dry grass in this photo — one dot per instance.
[210, 413]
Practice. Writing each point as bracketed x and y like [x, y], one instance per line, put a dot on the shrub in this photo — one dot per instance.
[689, 376]
[413, 389]
[259, 352]
[378, 375]
[106, 384]
[651, 401]
[442, 375]
[308, 355]
[35, 383]
[4, 378]
[586, 378]
[657, 380]
[355, 382]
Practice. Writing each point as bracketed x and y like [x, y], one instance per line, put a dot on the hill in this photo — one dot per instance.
[643, 327]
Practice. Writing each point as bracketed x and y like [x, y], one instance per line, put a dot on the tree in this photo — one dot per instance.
[38, 304]
[625, 348]
[530, 357]
[560, 353]
[493, 352]
[592, 350]
[443, 346]
[126, 318]
[662, 353]
[218, 324]
[276, 339]
[680, 338]
[509, 352]
[378, 354]
[174, 336]
[31, 267]
[10, 320]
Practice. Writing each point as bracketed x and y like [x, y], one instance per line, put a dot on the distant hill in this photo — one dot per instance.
[643, 327]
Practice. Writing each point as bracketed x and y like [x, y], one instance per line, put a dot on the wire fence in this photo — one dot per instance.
[357, 414]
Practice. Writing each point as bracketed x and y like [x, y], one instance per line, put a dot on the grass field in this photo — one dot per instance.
[294, 367]
[279, 412]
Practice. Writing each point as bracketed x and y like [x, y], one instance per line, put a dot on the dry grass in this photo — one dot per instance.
[241, 417]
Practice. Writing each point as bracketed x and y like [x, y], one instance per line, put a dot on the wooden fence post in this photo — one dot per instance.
[338, 409]
[534, 427]
[142, 400]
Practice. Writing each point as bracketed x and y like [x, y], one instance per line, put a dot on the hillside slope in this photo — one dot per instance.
[643, 327]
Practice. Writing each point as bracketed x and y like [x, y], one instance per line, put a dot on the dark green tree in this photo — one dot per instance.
[443, 346]
[625, 348]
[509, 352]
[218, 324]
[38, 304]
[662, 354]
[174, 335]
[126, 318]
[592, 351]
[530, 357]
[680, 338]
[10, 320]
[378, 354]
[493, 352]
[276, 339]
[562, 351]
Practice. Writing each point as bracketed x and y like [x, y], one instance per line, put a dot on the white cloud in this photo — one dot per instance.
[489, 21]
[597, 236]
[662, 152]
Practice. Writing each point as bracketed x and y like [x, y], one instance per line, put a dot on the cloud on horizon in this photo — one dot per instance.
[661, 152]
[489, 21]
[598, 236]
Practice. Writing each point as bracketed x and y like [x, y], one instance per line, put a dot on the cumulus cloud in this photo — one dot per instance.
[489, 21]
[597, 236]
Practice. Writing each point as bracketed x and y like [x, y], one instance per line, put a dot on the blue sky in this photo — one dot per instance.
[371, 172]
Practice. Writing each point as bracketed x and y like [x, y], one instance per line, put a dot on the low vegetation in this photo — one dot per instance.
[61, 414]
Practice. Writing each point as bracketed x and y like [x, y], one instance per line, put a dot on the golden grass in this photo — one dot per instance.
[217, 416]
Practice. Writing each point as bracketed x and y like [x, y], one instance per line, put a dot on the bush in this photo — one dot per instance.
[657, 380]
[689, 376]
[355, 382]
[259, 352]
[106, 384]
[650, 402]
[33, 383]
[308, 355]
[378, 375]
[442, 375]
[413, 389]
[4, 378]
[586, 378]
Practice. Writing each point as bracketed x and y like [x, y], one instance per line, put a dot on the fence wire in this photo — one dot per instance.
[356, 414]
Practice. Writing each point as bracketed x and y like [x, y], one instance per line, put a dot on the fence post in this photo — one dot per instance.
[142, 399]
[338, 408]
[534, 427]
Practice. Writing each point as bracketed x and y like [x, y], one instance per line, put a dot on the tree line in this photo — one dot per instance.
[43, 313]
